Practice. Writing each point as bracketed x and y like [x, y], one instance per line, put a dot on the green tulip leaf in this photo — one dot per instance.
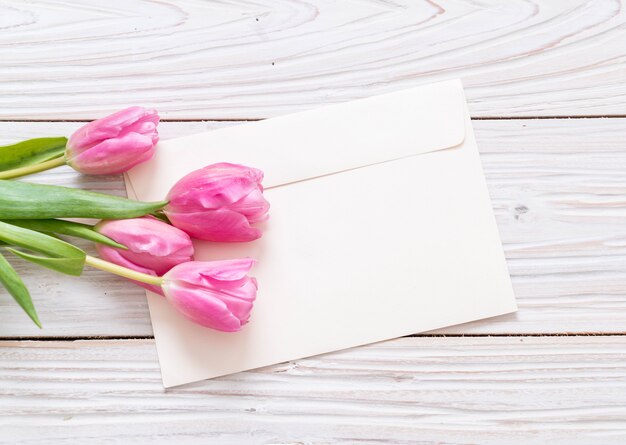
[23, 200]
[16, 287]
[69, 228]
[30, 152]
[59, 255]
[68, 266]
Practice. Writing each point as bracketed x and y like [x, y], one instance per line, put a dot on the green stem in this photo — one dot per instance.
[30, 169]
[122, 271]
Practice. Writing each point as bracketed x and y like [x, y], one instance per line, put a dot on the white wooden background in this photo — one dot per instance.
[555, 372]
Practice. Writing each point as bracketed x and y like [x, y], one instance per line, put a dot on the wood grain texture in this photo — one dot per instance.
[558, 390]
[559, 192]
[64, 59]
[558, 189]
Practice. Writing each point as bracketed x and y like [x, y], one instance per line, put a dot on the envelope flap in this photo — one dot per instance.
[330, 139]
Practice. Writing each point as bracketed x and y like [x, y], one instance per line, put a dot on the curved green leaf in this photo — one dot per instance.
[68, 266]
[16, 287]
[160, 214]
[70, 228]
[23, 200]
[31, 151]
[60, 255]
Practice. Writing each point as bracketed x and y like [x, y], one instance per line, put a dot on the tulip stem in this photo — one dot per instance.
[122, 271]
[30, 169]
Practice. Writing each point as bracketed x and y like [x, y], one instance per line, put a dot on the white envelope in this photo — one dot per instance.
[381, 226]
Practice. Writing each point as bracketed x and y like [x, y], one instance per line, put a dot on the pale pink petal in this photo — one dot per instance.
[239, 307]
[254, 206]
[212, 193]
[219, 203]
[106, 127]
[244, 289]
[113, 255]
[218, 225]
[196, 272]
[113, 156]
[151, 243]
[147, 234]
[202, 307]
[216, 294]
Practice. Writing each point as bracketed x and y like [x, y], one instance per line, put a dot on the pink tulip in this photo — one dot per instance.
[154, 247]
[219, 203]
[215, 294]
[114, 144]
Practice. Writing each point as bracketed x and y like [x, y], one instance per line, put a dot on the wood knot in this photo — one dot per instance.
[520, 210]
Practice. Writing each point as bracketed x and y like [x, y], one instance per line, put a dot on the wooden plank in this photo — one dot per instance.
[513, 390]
[242, 59]
[558, 190]
[559, 194]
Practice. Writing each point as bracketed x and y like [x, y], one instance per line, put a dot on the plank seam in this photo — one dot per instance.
[243, 119]
[150, 337]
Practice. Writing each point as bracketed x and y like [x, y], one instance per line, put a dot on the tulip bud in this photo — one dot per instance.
[154, 247]
[215, 294]
[219, 203]
[114, 144]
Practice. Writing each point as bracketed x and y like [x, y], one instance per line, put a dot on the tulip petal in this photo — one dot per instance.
[113, 156]
[107, 127]
[216, 294]
[149, 235]
[202, 306]
[254, 206]
[198, 194]
[114, 256]
[244, 289]
[221, 225]
[150, 242]
[197, 272]
[227, 169]
[239, 307]
[145, 127]
[219, 203]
